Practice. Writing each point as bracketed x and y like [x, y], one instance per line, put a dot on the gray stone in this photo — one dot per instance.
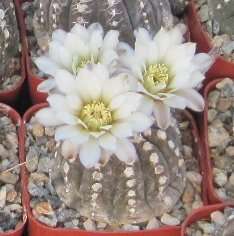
[9, 178]
[50, 221]
[204, 13]
[228, 48]
[32, 159]
[223, 13]
[213, 98]
[167, 219]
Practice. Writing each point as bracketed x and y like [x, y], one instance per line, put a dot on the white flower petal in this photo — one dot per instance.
[88, 85]
[163, 42]
[177, 34]
[96, 38]
[76, 45]
[162, 115]
[203, 61]
[108, 57]
[108, 142]
[59, 36]
[54, 54]
[81, 31]
[65, 81]
[140, 122]
[66, 117]
[69, 149]
[122, 130]
[69, 132]
[130, 103]
[126, 151]
[194, 99]
[65, 58]
[46, 85]
[146, 106]
[74, 102]
[57, 102]
[117, 86]
[47, 117]
[46, 65]
[90, 154]
[111, 39]
[176, 102]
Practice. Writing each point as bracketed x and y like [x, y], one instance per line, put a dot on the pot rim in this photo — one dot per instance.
[202, 213]
[210, 177]
[27, 116]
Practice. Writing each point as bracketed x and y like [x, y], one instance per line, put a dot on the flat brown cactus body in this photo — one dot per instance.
[123, 15]
[9, 35]
[117, 193]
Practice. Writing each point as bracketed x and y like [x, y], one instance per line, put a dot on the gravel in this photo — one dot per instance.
[217, 18]
[11, 211]
[221, 137]
[220, 223]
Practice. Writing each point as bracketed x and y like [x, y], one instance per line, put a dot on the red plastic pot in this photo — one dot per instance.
[10, 96]
[221, 67]
[37, 229]
[33, 80]
[16, 119]
[201, 214]
[212, 195]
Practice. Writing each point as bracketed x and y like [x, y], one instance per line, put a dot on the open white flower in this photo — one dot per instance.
[76, 49]
[168, 72]
[97, 114]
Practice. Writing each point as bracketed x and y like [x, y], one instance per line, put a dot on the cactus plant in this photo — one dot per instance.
[123, 15]
[117, 193]
[9, 37]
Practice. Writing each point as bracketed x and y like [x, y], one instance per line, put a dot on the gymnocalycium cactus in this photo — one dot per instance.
[123, 15]
[115, 162]
[9, 36]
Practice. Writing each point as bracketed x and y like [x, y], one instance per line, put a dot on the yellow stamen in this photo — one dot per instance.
[96, 115]
[158, 73]
[79, 63]
[156, 78]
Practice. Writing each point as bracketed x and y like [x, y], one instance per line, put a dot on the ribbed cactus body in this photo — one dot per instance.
[123, 15]
[118, 193]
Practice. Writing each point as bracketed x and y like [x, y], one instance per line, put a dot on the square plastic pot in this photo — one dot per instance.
[35, 228]
[32, 79]
[10, 96]
[202, 214]
[221, 67]
[213, 197]
[16, 119]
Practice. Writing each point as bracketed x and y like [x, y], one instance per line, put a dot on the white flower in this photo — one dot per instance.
[168, 72]
[97, 114]
[76, 49]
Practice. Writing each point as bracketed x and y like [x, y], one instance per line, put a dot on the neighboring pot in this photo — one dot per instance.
[201, 214]
[213, 197]
[37, 229]
[16, 119]
[33, 80]
[221, 67]
[10, 96]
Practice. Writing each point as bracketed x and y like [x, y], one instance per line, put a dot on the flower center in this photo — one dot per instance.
[156, 77]
[79, 63]
[96, 115]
